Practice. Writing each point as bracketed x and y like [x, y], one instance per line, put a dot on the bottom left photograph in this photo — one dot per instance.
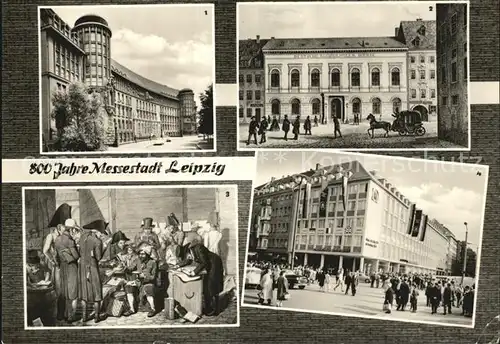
[130, 256]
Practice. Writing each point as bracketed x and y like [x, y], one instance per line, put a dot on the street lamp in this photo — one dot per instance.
[465, 253]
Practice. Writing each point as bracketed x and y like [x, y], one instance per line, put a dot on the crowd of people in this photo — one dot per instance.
[76, 264]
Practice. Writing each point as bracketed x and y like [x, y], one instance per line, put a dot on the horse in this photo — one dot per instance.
[374, 124]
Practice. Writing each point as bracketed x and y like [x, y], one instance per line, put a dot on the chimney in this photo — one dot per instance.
[419, 19]
[396, 32]
[273, 179]
[272, 37]
[258, 39]
[318, 166]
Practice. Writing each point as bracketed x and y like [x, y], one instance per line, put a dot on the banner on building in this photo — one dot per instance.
[344, 191]
[411, 218]
[323, 197]
[305, 203]
[424, 227]
[416, 223]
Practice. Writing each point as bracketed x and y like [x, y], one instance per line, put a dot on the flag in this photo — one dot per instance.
[411, 218]
[323, 198]
[344, 191]
[416, 223]
[305, 204]
[424, 227]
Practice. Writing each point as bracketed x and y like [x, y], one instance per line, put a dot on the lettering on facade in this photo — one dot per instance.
[256, 105]
[332, 55]
[371, 243]
[323, 249]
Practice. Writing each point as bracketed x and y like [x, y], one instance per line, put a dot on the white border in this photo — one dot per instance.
[124, 153]
[484, 169]
[241, 147]
[207, 186]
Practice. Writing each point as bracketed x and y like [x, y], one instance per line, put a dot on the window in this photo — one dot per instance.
[465, 16]
[249, 95]
[375, 77]
[412, 59]
[453, 24]
[465, 69]
[443, 74]
[257, 78]
[316, 104]
[241, 95]
[241, 78]
[355, 77]
[413, 74]
[454, 53]
[360, 222]
[422, 74]
[444, 100]
[421, 30]
[432, 59]
[340, 223]
[356, 107]
[422, 59]
[433, 93]
[257, 95]
[423, 93]
[249, 78]
[295, 78]
[453, 72]
[275, 78]
[315, 77]
[396, 105]
[361, 205]
[376, 106]
[295, 106]
[414, 93]
[433, 74]
[335, 77]
[416, 42]
[454, 100]
[395, 77]
[249, 112]
[275, 107]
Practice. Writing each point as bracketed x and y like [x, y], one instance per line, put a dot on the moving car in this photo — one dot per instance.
[295, 280]
[252, 277]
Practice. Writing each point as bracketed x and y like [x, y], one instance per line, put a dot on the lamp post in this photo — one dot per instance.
[296, 217]
[465, 253]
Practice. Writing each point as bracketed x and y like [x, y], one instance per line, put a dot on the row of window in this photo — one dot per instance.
[454, 100]
[453, 25]
[330, 240]
[422, 74]
[250, 78]
[454, 71]
[277, 243]
[66, 63]
[354, 77]
[331, 224]
[250, 95]
[423, 93]
[413, 59]
[250, 112]
[63, 28]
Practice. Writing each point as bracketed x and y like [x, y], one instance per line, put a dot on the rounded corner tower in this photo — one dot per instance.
[187, 111]
[95, 36]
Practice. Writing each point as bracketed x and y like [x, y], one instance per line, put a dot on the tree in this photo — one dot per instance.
[206, 124]
[458, 264]
[79, 119]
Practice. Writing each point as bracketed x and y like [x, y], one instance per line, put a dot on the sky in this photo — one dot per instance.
[451, 193]
[340, 19]
[172, 45]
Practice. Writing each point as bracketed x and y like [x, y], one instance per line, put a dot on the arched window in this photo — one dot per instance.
[295, 106]
[275, 107]
[356, 105]
[315, 77]
[396, 105]
[295, 78]
[316, 106]
[395, 77]
[375, 77]
[355, 77]
[376, 106]
[275, 78]
[335, 77]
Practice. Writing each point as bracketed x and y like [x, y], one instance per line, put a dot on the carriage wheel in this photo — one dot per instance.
[420, 131]
[402, 132]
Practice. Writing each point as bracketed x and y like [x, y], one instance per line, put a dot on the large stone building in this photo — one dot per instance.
[378, 229]
[251, 79]
[134, 107]
[420, 38]
[452, 74]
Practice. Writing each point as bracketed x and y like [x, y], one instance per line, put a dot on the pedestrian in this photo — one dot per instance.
[428, 294]
[447, 296]
[307, 126]
[468, 302]
[262, 130]
[372, 279]
[296, 128]
[252, 130]
[282, 289]
[404, 294]
[266, 284]
[275, 125]
[286, 127]
[327, 280]
[321, 280]
[435, 298]
[414, 298]
[354, 283]
[348, 281]
[340, 280]
[389, 299]
[336, 126]
[458, 295]
[377, 279]
[316, 121]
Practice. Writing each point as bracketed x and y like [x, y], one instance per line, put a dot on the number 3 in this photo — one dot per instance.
[227, 193]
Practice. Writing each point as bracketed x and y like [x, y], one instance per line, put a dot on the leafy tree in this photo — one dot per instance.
[470, 265]
[78, 114]
[206, 123]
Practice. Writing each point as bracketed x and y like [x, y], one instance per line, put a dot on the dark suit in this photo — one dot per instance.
[67, 256]
[447, 300]
[91, 251]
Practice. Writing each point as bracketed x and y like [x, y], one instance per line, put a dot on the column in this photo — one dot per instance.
[341, 261]
[396, 267]
[322, 261]
[362, 264]
[305, 259]
[376, 267]
[354, 264]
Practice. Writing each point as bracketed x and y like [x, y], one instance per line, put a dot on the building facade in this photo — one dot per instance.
[364, 224]
[251, 79]
[452, 72]
[420, 38]
[134, 107]
[335, 77]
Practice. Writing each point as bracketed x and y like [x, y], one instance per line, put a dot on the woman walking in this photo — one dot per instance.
[282, 286]
[266, 284]
[389, 299]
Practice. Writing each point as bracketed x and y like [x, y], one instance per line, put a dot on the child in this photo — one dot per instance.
[414, 299]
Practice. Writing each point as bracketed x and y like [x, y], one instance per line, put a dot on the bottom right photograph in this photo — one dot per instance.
[364, 235]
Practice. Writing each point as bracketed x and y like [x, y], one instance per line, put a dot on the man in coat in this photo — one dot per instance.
[404, 295]
[336, 127]
[147, 238]
[447, 295]
[435, 297]
[91, 251]
[286, 127]
[252, 130]
[213, 283]
[116, 246]
[67, 257]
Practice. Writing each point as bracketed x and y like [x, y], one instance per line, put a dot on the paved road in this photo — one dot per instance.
[177, 144]
[367, 302]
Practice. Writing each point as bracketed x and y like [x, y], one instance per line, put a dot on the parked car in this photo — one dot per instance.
[364, 277]
[252, 277]
[295, 280]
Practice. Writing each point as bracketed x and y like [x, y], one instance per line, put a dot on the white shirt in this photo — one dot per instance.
[213, 238]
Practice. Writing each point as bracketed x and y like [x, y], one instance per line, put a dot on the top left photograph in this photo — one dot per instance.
[126, 79]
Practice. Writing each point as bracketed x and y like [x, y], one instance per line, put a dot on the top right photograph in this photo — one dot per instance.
[353, 75]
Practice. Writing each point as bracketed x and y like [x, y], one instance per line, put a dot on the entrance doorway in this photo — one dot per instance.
[423, 111]
[337, 108]
[257, 115]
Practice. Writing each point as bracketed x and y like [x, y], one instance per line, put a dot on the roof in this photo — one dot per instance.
[249, 50]
[336, 43]
[91, 18]
[145, 83]
[410, 30]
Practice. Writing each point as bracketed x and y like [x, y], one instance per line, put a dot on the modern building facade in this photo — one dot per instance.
[452, 74]
[420, 38]
[134, 107]
[359, 222]
[251, 79]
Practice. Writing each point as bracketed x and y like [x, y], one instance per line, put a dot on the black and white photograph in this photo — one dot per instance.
[344, 75]
[126, 78]
[131, 257]
[366, 236]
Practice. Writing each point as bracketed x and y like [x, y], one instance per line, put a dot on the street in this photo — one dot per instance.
[192, 142]
[367, 302]
[353, 136]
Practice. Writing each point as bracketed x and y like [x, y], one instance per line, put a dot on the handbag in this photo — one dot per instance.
[287, 296]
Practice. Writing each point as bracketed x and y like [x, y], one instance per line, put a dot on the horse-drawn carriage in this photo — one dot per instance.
[406, 123]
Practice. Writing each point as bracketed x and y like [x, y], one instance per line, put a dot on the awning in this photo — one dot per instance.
[252, 253]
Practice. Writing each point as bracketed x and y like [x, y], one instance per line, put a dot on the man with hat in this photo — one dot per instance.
[67, 257]
[147, 238]
[116, 246]
[91, 250]
[145, 271]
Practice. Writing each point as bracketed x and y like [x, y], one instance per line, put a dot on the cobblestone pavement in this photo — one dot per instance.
[367, 303]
